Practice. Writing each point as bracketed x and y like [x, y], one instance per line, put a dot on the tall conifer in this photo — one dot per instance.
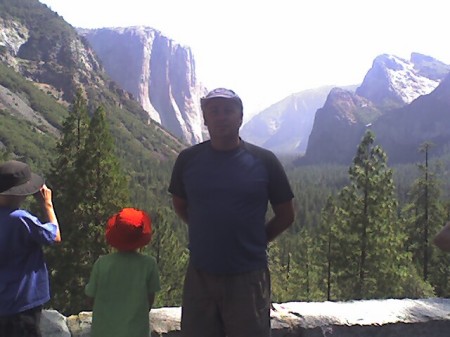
[372, 260]
[89, 187]
[425, 214]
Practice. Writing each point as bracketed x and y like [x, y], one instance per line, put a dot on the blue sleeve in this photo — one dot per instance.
[42, 233]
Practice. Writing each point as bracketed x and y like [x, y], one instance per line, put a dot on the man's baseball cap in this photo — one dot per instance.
[222, 93]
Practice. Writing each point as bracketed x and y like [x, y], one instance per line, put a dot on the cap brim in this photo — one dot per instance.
[30, 187]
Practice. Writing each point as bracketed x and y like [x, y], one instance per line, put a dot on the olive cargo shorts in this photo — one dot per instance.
[236, 305]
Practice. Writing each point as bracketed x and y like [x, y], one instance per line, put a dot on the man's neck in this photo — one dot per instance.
[225, 144]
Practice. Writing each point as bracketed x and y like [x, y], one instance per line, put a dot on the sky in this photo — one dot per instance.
[266, 50]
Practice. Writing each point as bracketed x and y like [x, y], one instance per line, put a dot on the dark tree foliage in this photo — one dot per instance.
[89, 187]
[425, 215]
[348, 240]
[169, 247]
[366, 239]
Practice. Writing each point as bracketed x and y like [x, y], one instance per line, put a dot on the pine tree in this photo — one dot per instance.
[68, 148]
[170, 251]
[371, 261]
[425, 214]
[105, 187]
[328, 243]
[90, 187]
[306, 268]
[65, 184]
[279, 265]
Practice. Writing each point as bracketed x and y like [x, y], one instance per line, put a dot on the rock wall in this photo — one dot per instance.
[158, 72]
[386, 318]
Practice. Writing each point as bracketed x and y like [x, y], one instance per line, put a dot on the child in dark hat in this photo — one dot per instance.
[123, 283]
[24, 284]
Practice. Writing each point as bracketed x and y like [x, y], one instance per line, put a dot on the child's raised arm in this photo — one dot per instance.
[44, 197]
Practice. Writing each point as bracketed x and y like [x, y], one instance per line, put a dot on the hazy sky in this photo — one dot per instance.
[268, 49]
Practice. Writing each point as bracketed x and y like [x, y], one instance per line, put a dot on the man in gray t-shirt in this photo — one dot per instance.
[221, 188]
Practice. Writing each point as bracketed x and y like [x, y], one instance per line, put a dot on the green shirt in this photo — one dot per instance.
[120, 284]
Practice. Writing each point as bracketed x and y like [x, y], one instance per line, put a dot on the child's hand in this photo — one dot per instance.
[44, 196]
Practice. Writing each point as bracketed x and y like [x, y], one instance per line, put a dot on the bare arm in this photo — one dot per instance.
[284, 217]
[442, 239]
[44, 197]
[180, 206]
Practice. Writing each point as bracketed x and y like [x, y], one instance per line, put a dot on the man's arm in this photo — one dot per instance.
[284, 217]
[180, 206]
[442, 239]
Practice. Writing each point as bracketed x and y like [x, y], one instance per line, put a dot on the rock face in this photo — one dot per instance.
[387, 318]
[393, 81]
[426, 119]
[338, 128]
[58, 58]
[158, 72]
[44, 62]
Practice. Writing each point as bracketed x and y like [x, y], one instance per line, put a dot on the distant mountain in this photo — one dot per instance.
[284, 127]
[426, 119]
[43, 61]
[152, 100]
[158, 72]
[338, 127]
[394, 82]
[388, 101]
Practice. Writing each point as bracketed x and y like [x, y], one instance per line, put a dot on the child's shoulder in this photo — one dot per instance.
[147, 257]
[148, 260]
[134, 255]
[17, 214]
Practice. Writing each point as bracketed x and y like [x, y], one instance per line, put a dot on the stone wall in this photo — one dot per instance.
[386, 318]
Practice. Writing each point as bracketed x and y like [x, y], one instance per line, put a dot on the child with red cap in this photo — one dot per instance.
[123, 283]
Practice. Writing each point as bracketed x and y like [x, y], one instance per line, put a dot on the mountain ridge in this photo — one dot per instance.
[339, 126]
[44, 61]
[46, 50]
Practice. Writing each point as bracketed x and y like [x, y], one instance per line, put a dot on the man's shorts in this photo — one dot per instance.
[22, 324]
[236, 305]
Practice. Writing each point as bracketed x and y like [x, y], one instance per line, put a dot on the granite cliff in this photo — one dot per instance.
[158, 72]
[43, 62]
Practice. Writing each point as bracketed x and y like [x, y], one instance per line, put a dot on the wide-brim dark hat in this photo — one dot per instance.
[129, 229]
[17, 179]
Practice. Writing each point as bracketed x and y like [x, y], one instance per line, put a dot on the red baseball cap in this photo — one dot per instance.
[129, 229]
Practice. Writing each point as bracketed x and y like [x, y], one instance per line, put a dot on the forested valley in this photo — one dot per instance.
[361, 232]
